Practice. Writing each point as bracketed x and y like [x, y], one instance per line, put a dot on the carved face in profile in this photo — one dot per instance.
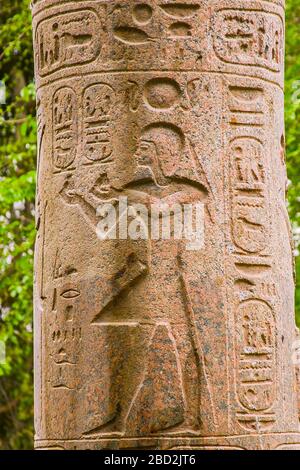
[146, 153]
[160, 147]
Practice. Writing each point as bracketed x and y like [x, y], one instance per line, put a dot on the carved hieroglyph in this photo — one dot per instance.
[146, 344]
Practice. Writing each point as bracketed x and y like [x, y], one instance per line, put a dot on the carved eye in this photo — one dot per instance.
[144, 147]
[70, 294]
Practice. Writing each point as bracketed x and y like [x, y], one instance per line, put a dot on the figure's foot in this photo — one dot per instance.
[184, 428]
[111, 428]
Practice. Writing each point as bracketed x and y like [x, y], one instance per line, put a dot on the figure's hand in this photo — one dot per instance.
[102, 189]
[69, 194]
[139, 197]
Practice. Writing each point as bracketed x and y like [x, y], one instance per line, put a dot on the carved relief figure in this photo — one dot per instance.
[167, 172]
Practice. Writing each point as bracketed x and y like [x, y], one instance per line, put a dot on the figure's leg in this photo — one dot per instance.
[114, 375]
[159, 404]
[190, 374]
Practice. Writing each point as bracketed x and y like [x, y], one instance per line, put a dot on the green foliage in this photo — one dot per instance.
[292, 110]
[17, 191]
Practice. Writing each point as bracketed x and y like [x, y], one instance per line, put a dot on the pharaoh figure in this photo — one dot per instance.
[166, 379]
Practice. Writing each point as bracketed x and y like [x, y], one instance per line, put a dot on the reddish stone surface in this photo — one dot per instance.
[146, 344]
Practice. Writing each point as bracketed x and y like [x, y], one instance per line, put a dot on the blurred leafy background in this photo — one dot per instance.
[17, 192]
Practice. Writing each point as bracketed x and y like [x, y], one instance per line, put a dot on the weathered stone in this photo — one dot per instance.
[147, 343]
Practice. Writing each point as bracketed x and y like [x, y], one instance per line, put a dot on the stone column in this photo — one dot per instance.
[152, 343]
